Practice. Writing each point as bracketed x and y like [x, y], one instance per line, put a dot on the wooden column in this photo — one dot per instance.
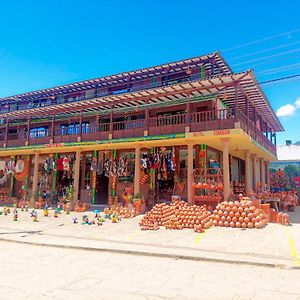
[83, 169]
[6, 133]
[80, 125]
[226, 172]
[52, 129]
[236, 99]
[76, 177]
[188, 114]
[254, 158]
[111, 125]
[190, 168]
[268, 175]
[137, 170]
[262, 171]
[28, 130]
[146, 125]
[247, 173]
[35, 178]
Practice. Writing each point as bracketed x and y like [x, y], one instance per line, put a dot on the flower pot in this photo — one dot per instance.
[137, 206]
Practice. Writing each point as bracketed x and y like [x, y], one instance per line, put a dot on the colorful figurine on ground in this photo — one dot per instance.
[67, 209]
[56, 213]
[26, 207]
[46, 211]
[35, 216]
[85, 219]
[15, 214]
[22, 207]
[75, 220]
[5, 210]
[114, 217]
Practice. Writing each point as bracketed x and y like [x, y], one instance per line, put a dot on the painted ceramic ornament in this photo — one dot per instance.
[75, 220]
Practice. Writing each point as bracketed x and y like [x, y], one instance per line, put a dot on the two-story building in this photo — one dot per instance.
[150, 130]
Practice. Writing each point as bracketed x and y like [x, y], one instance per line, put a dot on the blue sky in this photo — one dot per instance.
[47, 43]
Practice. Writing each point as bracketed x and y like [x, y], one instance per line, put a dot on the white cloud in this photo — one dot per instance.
[297, 103]
[287, 110]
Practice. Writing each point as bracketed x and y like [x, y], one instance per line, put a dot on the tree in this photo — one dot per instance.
[291, 171]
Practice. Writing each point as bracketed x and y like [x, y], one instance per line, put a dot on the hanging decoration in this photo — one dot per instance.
[54, 175]
[113, 173]
[202, 156]
[66, 164]
[11, 168]
[49, 164]
[21, 169]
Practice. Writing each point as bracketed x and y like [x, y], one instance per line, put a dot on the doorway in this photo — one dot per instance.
[102, 184]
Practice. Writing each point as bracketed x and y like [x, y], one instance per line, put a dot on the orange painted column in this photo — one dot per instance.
[137, 170]
[226, 172]
[190, 168]
[254, 158]
[76, 176]
[247, 173]
[35, 179]
[268, 175]
[262, 171]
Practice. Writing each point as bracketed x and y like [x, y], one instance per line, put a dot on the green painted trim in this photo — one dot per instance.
[93, 195]
[113, 141]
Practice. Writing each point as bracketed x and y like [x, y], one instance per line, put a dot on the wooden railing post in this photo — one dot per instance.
[6, 132]
[28, 130]
[52, 129]
[111, 126]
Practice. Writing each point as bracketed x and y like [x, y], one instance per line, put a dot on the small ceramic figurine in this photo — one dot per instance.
[46, 211]
[75, 220]
[35, 216]
[67, 209]
[26, 207]
[22, 207]
[56, 212]
[114, 217]
[15, 214]
[5, 211]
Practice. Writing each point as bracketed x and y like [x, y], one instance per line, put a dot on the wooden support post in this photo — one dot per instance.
[76, 178]
[268, 175]
[35, 179]
[6, 133]
[146, 124]
[262, 171]
[226, 172]
[83, 170]
[190, 176]
[236, 99]
[80, 125]
[254, 160]
[247, 173]
[28, 130]
[52, 128]
[137, 170]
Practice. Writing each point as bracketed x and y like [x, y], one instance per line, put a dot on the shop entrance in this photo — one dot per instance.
[102, 189]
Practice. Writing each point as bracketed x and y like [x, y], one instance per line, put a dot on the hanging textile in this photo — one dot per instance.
[2, 165]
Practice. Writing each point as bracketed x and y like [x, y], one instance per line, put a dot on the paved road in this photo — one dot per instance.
[35, 272]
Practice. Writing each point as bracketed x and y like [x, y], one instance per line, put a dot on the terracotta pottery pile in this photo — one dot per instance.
[239, 214]
[283, 219]
[125, 212]
[178, 215]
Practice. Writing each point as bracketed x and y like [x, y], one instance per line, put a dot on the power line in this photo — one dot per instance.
[265, 50]
[269, 56]
[280, 69]
[261, 40]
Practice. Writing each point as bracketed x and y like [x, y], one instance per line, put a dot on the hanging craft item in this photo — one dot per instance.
[106, 167]
[11, 165]
[113, 173]
[54, 175]
[49, 164]
[202, 156]
[66, 164]
[2, 165]
[122, 165]
[94, 164]
[21, 170]
[3, 179]
[144, 179]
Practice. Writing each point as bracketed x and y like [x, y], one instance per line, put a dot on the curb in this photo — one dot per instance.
[155, 254]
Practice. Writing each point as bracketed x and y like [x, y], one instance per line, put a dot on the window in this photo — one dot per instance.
[39, 132]
[74, 128]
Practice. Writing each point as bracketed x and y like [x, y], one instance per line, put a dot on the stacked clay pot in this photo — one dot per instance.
[283, 219]
[239, 214]
[178, 215]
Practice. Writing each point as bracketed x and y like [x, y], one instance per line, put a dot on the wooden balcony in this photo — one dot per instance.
[197, 121]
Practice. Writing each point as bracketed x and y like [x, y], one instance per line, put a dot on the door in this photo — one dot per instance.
[102, 189]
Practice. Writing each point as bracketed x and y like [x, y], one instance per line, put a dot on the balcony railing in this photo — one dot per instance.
[198, 121]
